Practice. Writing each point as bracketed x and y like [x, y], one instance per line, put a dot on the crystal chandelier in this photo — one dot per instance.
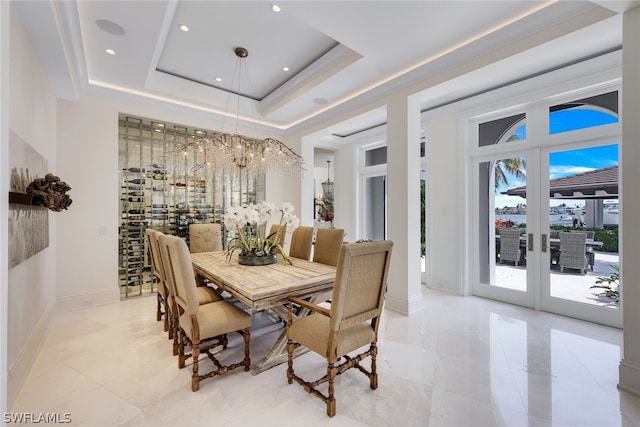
[228, 151]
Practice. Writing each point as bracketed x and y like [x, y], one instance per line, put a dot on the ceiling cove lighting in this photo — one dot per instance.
[232, 151]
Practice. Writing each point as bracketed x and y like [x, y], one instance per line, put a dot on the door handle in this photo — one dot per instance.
[530, 242]
[543, 242]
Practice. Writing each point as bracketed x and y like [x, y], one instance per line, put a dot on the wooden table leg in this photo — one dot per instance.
[278, 352]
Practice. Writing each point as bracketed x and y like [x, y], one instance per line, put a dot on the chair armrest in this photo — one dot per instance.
[310, 306]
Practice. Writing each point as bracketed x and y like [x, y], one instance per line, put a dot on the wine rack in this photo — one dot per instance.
[159, 189]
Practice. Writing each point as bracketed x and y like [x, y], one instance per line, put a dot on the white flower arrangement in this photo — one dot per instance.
[249, 222]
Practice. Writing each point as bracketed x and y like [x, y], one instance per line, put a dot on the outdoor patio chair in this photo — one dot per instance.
[591, 256]
[510, 245]
[202, 327]
[573, 248]
[350, 324]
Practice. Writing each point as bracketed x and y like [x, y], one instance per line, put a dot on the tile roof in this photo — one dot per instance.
[596, 184]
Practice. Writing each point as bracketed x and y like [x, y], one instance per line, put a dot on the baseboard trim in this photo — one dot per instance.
[17, 373]
[406, 306]
[85, 299]
[629, 377]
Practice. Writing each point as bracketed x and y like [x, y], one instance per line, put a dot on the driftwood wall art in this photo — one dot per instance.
[28, 225]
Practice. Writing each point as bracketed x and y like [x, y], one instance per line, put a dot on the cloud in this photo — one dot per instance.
[559, 171]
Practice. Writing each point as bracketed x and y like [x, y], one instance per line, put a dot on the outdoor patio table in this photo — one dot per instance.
[267, 287]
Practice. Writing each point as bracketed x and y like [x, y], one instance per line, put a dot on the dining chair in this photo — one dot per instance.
[205, 294]
[205, 237]
[301, 242]
[573, 251]
[350, 324]
[327, 246]
[161, 287]
[510, 245]
[203, 327]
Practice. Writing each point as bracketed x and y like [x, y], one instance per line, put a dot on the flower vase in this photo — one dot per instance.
[252, 259]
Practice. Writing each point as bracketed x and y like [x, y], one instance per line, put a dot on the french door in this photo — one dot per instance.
[528, 272]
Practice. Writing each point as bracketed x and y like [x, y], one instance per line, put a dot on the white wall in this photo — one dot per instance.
[630, 203]
[4, 188]
[31, 284]
[88, 159]
[443, 226]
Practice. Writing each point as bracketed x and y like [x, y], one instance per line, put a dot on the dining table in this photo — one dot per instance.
[267, 287]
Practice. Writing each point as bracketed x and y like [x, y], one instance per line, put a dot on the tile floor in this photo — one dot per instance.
[462, 361]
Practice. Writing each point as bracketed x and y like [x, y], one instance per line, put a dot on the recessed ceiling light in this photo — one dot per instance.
[275, 7]
[218, 79]
[110, 51]
[183, 28]
[285, 68]
[320, 101]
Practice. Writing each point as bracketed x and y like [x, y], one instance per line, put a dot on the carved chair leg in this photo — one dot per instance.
[195, 380]
[373, 378]
[175, 334]
[331, 401]
[159, 308]
[290, 361]
[247, 340]
[181, 356]
[171, 325]
[167, 327]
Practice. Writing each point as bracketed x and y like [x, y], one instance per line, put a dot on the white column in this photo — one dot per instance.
[403, 204]
[4, 190]
[630, 202]
[307, 192]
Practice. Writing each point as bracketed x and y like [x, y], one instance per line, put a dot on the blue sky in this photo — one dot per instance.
[564, 163]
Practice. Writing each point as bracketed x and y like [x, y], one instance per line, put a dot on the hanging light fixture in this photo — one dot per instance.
[327, 186]
[228, 151]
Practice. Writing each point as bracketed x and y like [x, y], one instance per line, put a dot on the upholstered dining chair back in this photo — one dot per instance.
[205, 294]
[351, 322]
[328, 245]
[205, 238]
[181, 272]
[361, 283]
[301, 242]
[203, 327]
[158, 273]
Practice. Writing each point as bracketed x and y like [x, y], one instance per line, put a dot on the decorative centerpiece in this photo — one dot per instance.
[248, 224]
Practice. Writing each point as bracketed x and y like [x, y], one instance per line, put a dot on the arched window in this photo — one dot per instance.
[584, 113]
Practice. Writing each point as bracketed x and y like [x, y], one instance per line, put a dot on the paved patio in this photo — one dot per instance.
[568, 285]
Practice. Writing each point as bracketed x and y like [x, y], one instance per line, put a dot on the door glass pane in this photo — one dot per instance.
[502, 224]
[376, 156]
[583, 217]
[376, 208]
